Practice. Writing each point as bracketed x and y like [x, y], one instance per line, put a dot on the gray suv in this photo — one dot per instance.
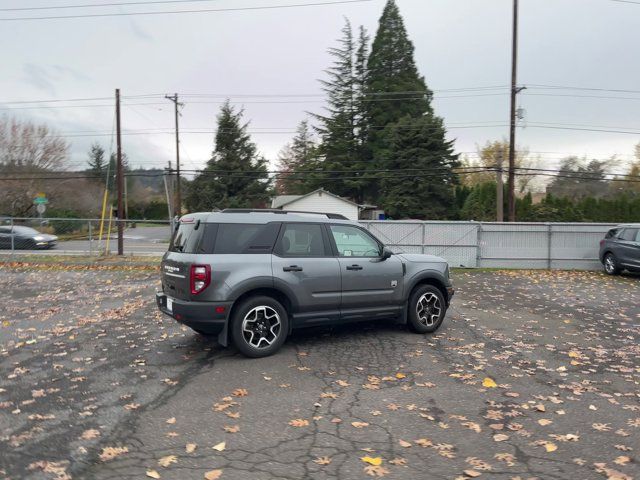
[620, 249]
[251, 276]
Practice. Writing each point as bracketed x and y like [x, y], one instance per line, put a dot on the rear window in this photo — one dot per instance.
[225, 238]
[611, 233]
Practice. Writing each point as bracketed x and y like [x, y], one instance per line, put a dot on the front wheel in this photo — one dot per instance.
[260, 326]
[427, 309]
[610, 264]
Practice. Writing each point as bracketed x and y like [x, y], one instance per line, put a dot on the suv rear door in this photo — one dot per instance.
[371, 286]
[191, 237]
[304, 267]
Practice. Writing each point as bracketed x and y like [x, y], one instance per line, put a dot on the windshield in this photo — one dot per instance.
[25, 230]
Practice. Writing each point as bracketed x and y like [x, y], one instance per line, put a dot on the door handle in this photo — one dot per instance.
[292, 268]
[354, 267]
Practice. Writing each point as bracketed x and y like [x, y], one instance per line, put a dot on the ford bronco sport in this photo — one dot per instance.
[251, 276]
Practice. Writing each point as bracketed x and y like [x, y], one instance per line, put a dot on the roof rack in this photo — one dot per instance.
[335, 216]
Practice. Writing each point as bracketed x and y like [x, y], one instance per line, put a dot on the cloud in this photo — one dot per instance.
[39, 77]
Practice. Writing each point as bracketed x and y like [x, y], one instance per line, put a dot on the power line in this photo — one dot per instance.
[176, 12]
[99, 5]
[591, 89]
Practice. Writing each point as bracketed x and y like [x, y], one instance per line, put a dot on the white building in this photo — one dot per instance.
[319, 201]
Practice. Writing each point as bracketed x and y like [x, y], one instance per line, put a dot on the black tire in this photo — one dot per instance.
[610, 264]
[421, 320]
[253, 338]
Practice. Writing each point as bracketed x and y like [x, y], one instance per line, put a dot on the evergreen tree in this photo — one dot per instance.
[418, 181]
[295, 161]
[97, 162]
[394, 87]
[480, 204]
[236, 175]
[403, 132]
[342, 129]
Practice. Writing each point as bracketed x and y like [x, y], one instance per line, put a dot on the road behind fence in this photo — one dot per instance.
[463, 244]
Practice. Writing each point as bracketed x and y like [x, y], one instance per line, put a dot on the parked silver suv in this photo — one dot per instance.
[253, 275]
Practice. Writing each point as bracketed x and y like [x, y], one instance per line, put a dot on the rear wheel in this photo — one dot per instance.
[610, 264]
[260, 326]
[427, 309]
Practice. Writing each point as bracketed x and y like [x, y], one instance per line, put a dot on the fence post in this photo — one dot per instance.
[479, 245]
[424, 235]
[12, 239]
[549, 233]
[90, 240]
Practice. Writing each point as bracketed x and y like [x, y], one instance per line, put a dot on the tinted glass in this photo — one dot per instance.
[353, 242]
[629, 234]
[611, 233]
[25, 230]
[5, 229]
[302, 240]
[186, 238]
[245, 238]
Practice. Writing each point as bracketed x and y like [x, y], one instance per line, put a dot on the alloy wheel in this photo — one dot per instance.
[428, 309]
[261, 326]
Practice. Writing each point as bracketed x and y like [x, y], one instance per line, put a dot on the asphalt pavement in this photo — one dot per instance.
[533, 375]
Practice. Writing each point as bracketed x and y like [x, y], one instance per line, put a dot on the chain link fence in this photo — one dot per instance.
[82, 236]
[462, 244]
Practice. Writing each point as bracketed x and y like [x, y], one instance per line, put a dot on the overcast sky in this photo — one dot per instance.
[268, 61]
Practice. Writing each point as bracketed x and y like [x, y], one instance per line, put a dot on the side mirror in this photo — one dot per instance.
[386, 253]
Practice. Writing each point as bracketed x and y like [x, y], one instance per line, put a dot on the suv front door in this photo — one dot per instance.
[304, 266]
[371, 286]
[629, 247]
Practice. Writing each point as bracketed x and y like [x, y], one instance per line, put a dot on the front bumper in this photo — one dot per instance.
[450, 292]
[208, 317]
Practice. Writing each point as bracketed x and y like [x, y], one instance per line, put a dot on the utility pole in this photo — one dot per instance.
[120, 176]
[178, 202]
[499, 188]
[512, 132]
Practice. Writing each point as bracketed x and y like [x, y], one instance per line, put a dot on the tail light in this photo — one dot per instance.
[200, 278]
[601, 242]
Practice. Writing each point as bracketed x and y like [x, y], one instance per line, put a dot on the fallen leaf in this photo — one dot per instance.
[153, 474]
[322, 461]
[375, 471]
[240, 392]
[472, 473]
[550, 447]
[622, 460]
[90, 434]
[299, 422]
[500, 437]
[109, 453]
[400, 375]
[213, 474]
[171, 420]
[191, 447]
[404, 444]
[233, 429]
[544, 422]
[489, 383]
[359, 424]
[372, 460]
[168, 460]
[220, 446]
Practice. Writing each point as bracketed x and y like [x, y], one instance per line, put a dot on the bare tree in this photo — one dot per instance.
[28, 150]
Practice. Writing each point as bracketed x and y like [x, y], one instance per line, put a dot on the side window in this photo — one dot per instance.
[629, 234]
[245, 238]
[611, 233]
[5, 230]
[301, 240]
[353, 242]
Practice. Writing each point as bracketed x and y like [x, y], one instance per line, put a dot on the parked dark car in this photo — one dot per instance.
[620, 249]
[25, 238]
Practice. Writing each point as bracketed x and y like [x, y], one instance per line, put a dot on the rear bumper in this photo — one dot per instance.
[209, 317]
